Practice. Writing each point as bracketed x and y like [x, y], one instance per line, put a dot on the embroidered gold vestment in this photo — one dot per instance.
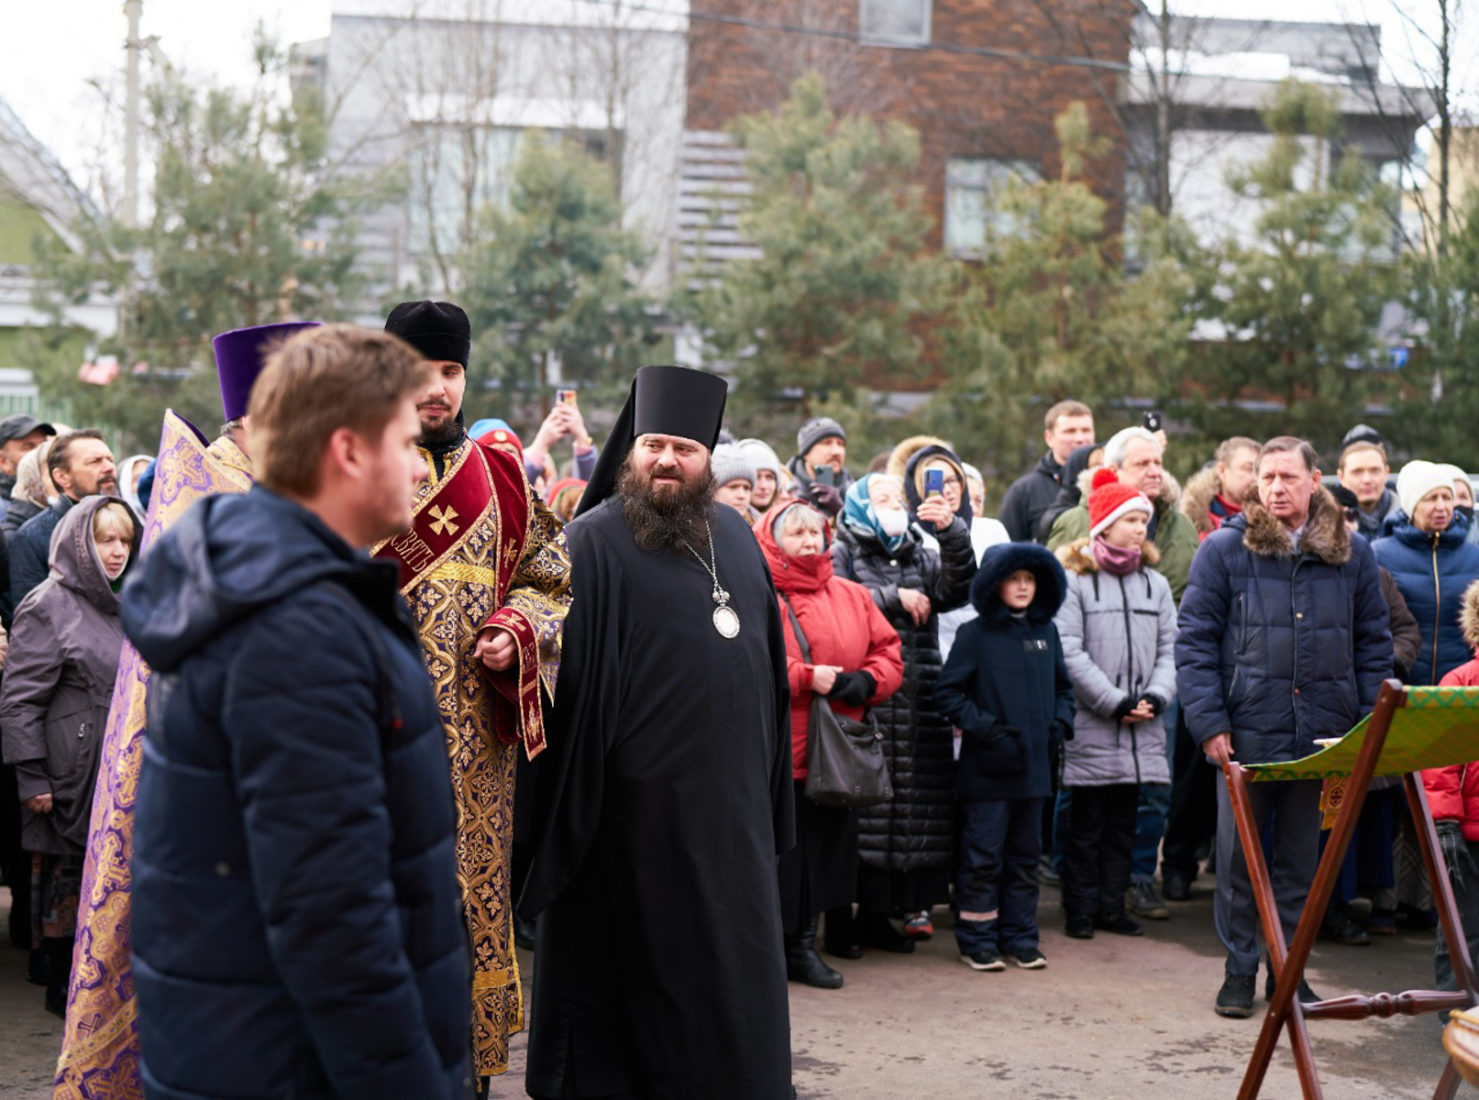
[484, 551]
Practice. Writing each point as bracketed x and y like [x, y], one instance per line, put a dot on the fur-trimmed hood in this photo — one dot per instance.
[1325, 535]
[1468, 616]
[1076, 556]
[1196, 499]
[1000, 562]
[898, 459]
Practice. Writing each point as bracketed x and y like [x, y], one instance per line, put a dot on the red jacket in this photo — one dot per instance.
[1453, 792]
[842, 626]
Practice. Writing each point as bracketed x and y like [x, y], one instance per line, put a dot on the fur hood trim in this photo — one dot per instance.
[1196, 500]
[1325, 535]
[898, 460]
[1004, 559]
[1468, 615]
[1078, 558]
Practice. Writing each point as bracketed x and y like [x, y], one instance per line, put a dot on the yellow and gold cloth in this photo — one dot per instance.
[100, 1042]
[484, 551]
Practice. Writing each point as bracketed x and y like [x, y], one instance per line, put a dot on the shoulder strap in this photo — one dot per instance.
[796, 629]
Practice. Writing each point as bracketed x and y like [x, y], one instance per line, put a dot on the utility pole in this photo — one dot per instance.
[133, 47]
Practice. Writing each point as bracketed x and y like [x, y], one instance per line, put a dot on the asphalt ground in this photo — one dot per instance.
[1109, 1017]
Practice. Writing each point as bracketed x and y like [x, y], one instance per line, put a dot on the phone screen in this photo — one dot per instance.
[934, 482]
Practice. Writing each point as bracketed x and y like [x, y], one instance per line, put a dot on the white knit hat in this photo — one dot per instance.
[1419, 478]
[730, 463]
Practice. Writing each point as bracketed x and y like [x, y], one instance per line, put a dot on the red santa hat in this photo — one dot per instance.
[1110, 500]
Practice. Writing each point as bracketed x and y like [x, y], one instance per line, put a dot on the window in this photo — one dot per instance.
[973, 190]
[894, 22]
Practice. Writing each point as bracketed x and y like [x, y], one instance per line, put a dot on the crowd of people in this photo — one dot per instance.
[562, 678]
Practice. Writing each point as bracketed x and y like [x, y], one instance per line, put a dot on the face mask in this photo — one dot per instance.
[894, 521]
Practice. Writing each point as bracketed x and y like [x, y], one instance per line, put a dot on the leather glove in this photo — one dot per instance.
[853, 688]
[826, 498]
[1455, 851]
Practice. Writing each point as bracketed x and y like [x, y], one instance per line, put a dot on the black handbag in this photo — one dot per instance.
[844, 757]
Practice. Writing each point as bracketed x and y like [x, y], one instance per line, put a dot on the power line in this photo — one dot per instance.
[1053, 60]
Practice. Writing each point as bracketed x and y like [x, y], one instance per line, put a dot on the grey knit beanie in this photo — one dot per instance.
[815, 430]
[763, 456]
[729, 462]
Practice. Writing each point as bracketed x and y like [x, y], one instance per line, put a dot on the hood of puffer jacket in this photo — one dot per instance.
[898, 459]
[912, 494]
[74, 555]
[791, 573]
[1000, 562]
[1325, 534]
[1078, 558]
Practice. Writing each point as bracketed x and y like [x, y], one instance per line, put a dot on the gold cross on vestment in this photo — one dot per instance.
[443, 518]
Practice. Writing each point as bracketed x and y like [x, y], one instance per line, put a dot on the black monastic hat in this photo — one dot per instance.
[663, 401]
[438, 330]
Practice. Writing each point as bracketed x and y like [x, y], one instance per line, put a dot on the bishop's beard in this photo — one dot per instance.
[670, 520]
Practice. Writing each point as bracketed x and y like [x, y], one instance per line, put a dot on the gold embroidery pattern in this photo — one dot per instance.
[442, 520]
[451, 603]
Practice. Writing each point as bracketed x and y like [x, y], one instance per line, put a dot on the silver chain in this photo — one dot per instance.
[712, 565]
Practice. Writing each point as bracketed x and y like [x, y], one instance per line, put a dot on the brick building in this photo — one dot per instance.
[981, 80]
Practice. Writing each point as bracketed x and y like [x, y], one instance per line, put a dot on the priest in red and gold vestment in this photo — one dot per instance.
[485, 571]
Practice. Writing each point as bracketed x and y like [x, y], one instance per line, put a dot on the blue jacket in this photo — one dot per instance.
[1005, 684]
[1432, 573]
[30, 550]
[1280, 647]
[297, 925]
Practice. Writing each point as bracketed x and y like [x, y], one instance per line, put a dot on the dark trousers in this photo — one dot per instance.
[1096, 851]
[996, 875]
[1288, 816]
[1192, 818]
[1466, 895]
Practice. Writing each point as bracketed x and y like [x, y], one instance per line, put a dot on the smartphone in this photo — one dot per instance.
[826, 476]
[934, 482]
[1152, 421]
[565, 397]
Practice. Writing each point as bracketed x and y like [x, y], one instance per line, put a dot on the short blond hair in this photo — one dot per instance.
[113, 516]
[1062, 409]
[321, 380]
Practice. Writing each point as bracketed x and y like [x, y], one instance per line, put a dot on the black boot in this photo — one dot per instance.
[840, 938]
[803, 964]
[58, 974]
[876, 930]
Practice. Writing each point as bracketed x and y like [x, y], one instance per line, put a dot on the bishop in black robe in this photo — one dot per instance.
[665, 798]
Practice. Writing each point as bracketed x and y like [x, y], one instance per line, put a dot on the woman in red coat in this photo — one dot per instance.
[855, 663]
[1453, 796]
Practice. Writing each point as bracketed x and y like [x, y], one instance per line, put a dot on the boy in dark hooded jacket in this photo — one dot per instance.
[1007, 688]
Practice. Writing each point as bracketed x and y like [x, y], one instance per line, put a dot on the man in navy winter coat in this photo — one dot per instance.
[1284, 638]
[297, 926]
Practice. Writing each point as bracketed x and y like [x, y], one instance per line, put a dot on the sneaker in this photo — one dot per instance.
[1029, 958]
[983, 960]
[1143, 901]
[1175, 886]
[1119, 924]
[918, 926]
[1235, 998]
[1079, 928]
